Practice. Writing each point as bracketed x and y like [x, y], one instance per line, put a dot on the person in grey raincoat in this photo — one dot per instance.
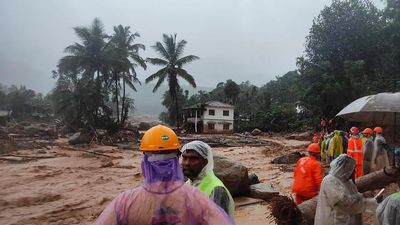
[367, 149]
[339, 202]
[379, 159]
[388, 211]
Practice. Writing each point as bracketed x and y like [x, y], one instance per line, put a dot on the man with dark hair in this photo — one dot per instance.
[197, 165]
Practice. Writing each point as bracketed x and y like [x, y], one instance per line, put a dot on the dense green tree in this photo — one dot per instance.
[172, 61]
[342, 60]
[92, 78]
[231, 90]
[86, 61]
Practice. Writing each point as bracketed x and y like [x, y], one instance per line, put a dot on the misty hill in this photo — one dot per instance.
[147, 102]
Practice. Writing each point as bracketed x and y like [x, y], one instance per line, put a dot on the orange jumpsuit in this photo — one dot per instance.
[354, 149]
[307, 178]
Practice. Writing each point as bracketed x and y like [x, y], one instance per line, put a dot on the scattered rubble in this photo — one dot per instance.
[220, 140]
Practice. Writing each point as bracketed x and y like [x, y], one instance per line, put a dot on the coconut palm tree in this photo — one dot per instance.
[87, 59]
[171, 59]
[122, 50]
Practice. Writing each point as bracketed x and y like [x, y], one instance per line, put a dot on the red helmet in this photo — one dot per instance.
[354, 130]
[314, 147]
[378, 130]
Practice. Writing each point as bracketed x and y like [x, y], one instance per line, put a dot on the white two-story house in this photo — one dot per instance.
[210, 117]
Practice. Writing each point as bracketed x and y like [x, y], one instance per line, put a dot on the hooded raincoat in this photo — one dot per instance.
[335, 145]
[163, 199]
[367, 149]
[207, 182]
[380, 157]
[388, 212]
[339, 202]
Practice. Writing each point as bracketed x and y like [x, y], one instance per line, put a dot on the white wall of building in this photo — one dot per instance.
[218, 114]
[218, 119]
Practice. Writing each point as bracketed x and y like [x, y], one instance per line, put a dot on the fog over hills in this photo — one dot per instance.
[147, 102]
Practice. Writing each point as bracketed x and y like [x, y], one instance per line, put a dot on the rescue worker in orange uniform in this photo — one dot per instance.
[307, 175]
[354, 149]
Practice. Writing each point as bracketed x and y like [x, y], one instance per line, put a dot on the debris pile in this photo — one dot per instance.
[220, 140]
[285, 212]
[27, 135]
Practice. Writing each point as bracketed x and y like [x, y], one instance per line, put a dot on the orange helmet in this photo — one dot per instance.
[354, 130]
[367, 131]
[314, 147]
[159, 138]
[378, 130]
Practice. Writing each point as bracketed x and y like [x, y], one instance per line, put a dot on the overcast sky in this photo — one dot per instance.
[253, 40]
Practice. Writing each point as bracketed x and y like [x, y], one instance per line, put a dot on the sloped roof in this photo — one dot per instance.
[218, 104]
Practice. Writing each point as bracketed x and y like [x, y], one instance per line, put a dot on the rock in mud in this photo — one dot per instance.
[253, 179]
[79, 138]
[233, 174]
[262, 191]
[288, 159]
[256, 132]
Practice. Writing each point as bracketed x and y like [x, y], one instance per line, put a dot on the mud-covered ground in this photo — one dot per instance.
[64, 186]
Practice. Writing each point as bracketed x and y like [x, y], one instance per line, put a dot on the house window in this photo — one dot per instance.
[211, 112]
[226, 126]
[226, 112]
[211, 126]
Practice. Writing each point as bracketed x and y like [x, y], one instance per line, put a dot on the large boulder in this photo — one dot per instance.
[233, 174]
[79, 138]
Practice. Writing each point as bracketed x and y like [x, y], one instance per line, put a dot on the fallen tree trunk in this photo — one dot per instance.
[369, 182]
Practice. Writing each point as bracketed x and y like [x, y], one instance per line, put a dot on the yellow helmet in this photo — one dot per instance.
[159, 138]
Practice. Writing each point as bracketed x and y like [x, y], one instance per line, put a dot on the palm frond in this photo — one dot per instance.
[139, 60]
[83, 33]
[157, 61]
[130, 84]
[179, 48]
[186, 76]
[159, 73]
[159, 82]
[169, 42]
[76, 49]
[160, 49]
[187, 59]
[138, 46]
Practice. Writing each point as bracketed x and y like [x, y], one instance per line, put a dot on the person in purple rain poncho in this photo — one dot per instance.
[164, 198]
